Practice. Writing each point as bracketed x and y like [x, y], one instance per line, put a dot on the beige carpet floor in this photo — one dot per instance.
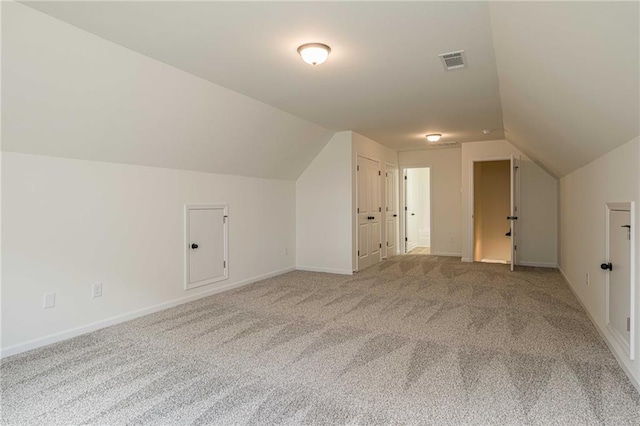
[413, 340]
[421, 250]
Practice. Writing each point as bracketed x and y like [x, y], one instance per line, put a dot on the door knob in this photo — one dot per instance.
[606, 266]
[194, 246]
[413, 214]
[395, 215]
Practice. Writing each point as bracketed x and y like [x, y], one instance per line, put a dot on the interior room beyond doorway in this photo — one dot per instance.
[491, 206]
[418, 210]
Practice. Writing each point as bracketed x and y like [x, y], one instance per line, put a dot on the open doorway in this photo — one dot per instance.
[417, 192]
[491, 211]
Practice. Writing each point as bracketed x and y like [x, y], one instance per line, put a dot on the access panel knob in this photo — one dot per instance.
[194, 246]
[606, 266]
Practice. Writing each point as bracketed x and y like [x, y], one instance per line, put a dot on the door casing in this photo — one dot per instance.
[515, 197]
[628, 347]
[187, 244]
[377, 214]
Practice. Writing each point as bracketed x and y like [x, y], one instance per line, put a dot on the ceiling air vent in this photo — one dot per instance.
[453, 60]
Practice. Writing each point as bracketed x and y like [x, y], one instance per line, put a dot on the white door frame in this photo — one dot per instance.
[355, 211]
[630, 207]
[392, 166]
[187, 243]
[472, 163]
[403, 204]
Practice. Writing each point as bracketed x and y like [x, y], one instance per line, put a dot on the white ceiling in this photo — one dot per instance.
[383, 78]
[569, 78]
[565, 74]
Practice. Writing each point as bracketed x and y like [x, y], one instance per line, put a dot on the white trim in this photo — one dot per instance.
[629, 206]
[471, 166]
[444, 253]
[391, 166]
[77, 331]
[355, 212]
[466, 259]
[188, 285]
[326, 270]
[537, 264]
[611, 344]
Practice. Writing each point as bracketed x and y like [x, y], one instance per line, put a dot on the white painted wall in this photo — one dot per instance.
[445, 196]
[584, 193]
[538, 217]
[323, 210]
[367, 148]
[70, 223]
[68, 93]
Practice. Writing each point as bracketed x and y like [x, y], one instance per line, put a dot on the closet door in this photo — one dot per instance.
[368, 212]
[206, 245]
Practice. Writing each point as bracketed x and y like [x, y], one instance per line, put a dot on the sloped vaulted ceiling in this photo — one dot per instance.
[68, 93]
[561, 78]
[569, 78]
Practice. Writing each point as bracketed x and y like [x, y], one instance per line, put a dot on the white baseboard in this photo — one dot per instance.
[466, 259]
[617, 352]
[77, 331]
[327, 270]
[444, 253]
[537, 264]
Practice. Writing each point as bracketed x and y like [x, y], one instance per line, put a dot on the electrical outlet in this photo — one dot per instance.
[49, 300]
[97, 290]
[587, 278]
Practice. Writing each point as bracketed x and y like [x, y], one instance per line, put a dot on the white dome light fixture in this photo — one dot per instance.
[434, 137]
[314, 53]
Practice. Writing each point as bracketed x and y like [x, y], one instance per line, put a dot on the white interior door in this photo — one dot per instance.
[411, 220]
[619, 283]
[391, 210]
[206, 245]
[368, 212]
[515, 199]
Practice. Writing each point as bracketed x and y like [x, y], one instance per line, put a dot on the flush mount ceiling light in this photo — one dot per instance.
[434, 137]
[314, 53]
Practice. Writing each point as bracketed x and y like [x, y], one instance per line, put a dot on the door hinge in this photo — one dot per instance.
[357, 168]
[358, 210]
[380, 209]
[515, 247]
[405, 178]
[405, 208]
[380, 245]
[386, 174]
[379, 173]
[358, 252]
[224, 263]
[406, 239]
[224, 219]
[628, 324]
[387, 243]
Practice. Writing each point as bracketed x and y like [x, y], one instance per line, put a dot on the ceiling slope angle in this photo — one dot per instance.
[68, 93]
[569, 78]
[383, 78]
